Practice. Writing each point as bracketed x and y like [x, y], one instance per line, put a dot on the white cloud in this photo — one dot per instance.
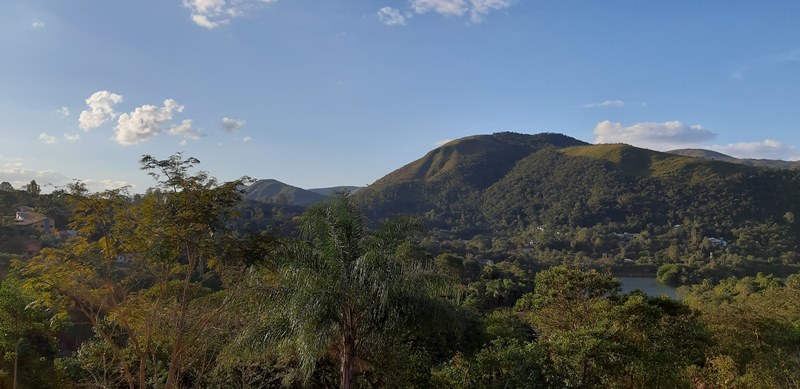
[483, 7]
[391, 17]
[202, 21]
[765, 149]
[791, 56]
[49, 139]
[476, 9]
[444, 7]
[605, 104]
[37, 24]
[759, 64]
[186, 130]
[442, 142]
[101, 108]
[19, 177]
[211, 14]
[50, 179]
[657, 136]
[232, 125]
[247, 139]
[146, 122]
[101, 185]
[64, 111]
[72, 137]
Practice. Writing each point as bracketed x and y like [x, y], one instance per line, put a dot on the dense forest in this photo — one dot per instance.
[495, 278]
[549, 198]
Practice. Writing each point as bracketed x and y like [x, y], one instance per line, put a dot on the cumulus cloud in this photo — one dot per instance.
[101, 108]
[37, 24]
[72, 137]
[442, 142]
[232, 125]
[49, 139]
[765, 149]
[247, 139]
[605, 104]
[185, 130]
[476, 9]
[391, 17]
[101, 185]
[146, 122]
[211, 14]
[50, 179]
[64, 111]
[19, 177]
[657, 136]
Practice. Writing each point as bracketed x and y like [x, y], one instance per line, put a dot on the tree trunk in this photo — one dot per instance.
[348, 355]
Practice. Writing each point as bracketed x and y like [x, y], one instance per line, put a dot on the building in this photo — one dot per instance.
[41, 223]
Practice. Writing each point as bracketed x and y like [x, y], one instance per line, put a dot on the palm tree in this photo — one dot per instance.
[343, 287]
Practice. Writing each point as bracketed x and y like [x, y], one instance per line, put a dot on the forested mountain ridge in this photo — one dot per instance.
[709, 154]
[488, 175]
[191, 285]
[552, 193]
[275, 191]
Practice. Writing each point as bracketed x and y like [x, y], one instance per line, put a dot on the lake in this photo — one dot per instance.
[650, 286]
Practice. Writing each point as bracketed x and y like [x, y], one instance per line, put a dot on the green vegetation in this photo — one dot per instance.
[277, 192]
[708, 154]
[510, 284]
[549, 199]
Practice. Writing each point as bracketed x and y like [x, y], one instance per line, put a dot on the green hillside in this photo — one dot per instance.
[634, 161]
[452, 176]
[335, 189]
[713, 155]
[548, 197]
[277, 192]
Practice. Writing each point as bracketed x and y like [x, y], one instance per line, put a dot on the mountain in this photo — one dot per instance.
[506, 183]
[335, 189]
[634, 161]
[277, 192]
[713, 155]
[450, 179]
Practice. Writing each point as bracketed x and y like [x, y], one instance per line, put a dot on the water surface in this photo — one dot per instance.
[650, 286]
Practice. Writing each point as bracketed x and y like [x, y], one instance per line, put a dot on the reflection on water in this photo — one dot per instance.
[651, 286]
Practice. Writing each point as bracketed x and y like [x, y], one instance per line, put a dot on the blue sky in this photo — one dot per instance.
[334, 92]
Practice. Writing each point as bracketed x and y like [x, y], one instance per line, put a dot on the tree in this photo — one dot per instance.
[594, 337]
[33, 188]
[344, 288]
[5, 186]
[27, 340]
[753, 324]
[141, 273]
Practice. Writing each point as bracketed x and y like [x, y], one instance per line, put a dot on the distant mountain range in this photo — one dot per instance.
[274, 191]
[502, 181]
[505, 182]
[709, 154]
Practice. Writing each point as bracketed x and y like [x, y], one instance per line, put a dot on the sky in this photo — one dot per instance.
[319, 93]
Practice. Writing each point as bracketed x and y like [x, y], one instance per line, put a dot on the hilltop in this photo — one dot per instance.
[277, 192]
[511, 194]
[713, 155]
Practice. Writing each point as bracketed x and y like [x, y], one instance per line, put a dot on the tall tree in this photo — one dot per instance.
[343, 287]
[33, 188]
[139, 272]
[5, 186]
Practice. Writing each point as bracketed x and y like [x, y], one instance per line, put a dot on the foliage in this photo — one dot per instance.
[27, 338]
[341, 288]
[548, 199]
[754, 324]
[139, 273]
[593, 337]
